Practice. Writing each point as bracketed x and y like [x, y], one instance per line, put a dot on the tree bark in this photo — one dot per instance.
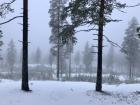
[100, 46]
[25, 85]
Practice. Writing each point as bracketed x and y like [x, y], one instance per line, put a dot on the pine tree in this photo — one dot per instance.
[131, 45]
[92, 13]
[56, 23]
[11, 56]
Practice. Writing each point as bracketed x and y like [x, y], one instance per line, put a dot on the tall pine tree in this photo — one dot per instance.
[95, 14]
[56, 23]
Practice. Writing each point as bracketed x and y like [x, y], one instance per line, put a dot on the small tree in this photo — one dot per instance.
[11, 55]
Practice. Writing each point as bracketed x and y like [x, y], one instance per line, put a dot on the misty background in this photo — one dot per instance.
[39, 33]
[39, 30]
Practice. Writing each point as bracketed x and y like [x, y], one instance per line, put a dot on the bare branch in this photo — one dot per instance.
[114, 44]
[86, 30]
[10, 20]
[134, 5]
[120, 10]
[111, 42]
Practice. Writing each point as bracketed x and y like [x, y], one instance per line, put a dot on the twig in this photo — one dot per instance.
[113, 43]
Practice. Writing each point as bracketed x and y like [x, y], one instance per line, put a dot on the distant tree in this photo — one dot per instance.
[11, 56]
[38, 56]
[110, 59]
[77, 60]
[131, 46]
[68, 55]
[87, 58]
[51, 60]
[1, 43]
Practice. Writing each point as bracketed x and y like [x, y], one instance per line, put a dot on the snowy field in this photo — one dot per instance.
[68, 93]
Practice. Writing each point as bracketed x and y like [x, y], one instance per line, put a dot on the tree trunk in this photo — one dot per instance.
[25, 85]
[100, 47]
[69, 65]
[11, 69]
[58, 44]
[130, 72]
[133, 71]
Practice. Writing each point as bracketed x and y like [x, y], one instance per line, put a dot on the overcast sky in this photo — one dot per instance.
[40, 31]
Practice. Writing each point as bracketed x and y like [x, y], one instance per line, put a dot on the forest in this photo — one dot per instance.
[69, 52]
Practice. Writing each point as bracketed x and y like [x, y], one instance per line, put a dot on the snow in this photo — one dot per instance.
[68, 93]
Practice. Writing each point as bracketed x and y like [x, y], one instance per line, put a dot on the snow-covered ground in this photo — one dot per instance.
[68, 93]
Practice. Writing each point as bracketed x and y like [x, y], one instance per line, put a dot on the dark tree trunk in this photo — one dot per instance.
[25, 85]
[100, 47]
[58, 57]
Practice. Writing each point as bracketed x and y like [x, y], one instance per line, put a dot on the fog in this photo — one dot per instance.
[39, 30]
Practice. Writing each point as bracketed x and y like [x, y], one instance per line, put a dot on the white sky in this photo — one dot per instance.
[39, 29]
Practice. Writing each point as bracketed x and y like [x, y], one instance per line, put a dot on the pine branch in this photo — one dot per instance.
[10, 20]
